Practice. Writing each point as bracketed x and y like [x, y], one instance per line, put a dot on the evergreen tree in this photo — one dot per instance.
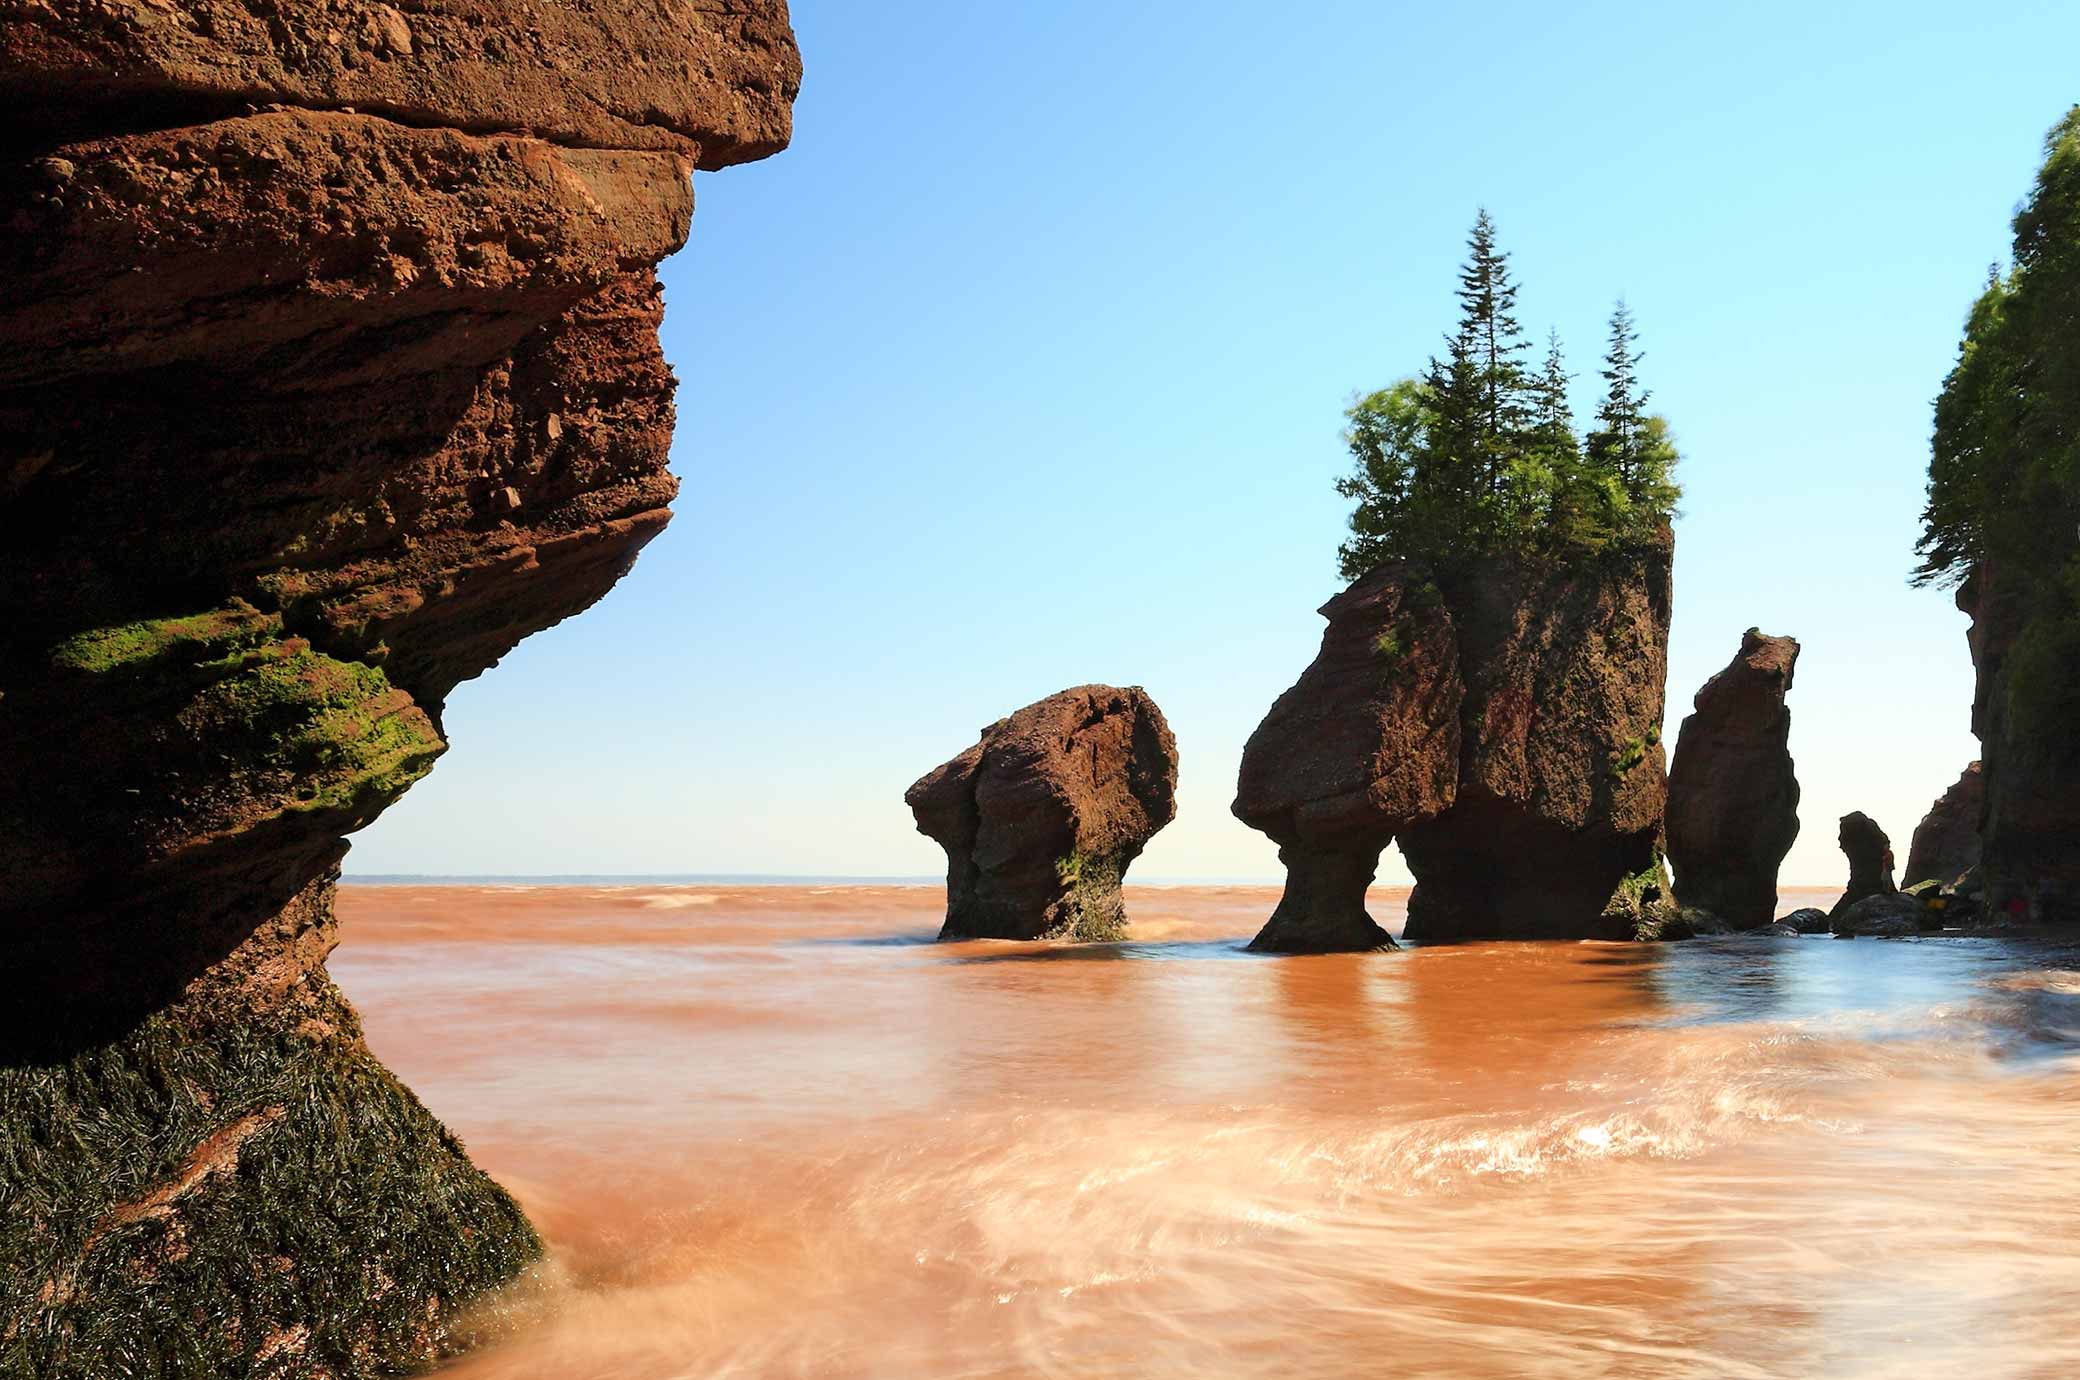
[1552, 417]
[1580, 512]
[1621, 420]
[1501, 390]
[1481, 456]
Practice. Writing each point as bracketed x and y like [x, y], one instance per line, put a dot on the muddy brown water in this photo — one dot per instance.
[773, 1131]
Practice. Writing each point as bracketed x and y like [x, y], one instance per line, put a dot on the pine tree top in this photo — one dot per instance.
[1480, 455]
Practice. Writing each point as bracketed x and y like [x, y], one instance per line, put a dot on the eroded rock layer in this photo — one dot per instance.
[1732, 790]
[1500, 720]
[328, 372]
[1041, 818]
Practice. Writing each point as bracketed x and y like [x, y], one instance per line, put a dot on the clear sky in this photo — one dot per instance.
[1024, 367]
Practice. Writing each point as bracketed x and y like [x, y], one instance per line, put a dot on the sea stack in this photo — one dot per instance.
[1041, 818]
[1870, 860]
[1500, 719]
[1364, 745]
[1732, 791]
[330, 371]
[1946, 842]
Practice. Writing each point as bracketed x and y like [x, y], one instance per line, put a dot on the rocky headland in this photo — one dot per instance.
[1498, 717]
[329, 371]
[2002, 524]
[1732, 789]
[1041, 818]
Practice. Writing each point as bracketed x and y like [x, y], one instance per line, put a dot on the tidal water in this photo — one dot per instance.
[773, 1131]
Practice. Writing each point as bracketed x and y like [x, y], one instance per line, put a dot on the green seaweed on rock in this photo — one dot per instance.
[210, 1195]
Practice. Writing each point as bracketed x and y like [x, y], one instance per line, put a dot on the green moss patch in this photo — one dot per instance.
[210, 636]
[244, 1197]
[344, 733]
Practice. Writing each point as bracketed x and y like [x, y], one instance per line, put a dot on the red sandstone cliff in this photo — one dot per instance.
[328, 372]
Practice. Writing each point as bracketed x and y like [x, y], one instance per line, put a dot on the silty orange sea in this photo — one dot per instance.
[773, 1131]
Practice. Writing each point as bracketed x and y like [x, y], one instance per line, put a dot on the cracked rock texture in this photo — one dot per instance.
[328, 372]
[1732, 790]
[1500, 720]
[1042, 817]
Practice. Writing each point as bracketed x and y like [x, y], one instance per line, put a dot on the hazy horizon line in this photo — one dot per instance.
[798, 879]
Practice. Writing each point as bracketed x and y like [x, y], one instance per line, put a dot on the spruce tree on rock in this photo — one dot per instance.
[1494, 346]
[1481, 456]
[1622, 419]
[1553, 418]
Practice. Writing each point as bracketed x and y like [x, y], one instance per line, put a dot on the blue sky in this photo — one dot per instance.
[1024, 367]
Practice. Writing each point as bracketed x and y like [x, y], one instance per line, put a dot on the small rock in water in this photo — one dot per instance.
[1894, 915]
[1807, 921]
[1780, 930]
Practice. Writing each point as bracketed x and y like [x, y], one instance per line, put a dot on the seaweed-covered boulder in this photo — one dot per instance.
[1946, 843]
[1041, 818]
[1732, 791]
[1870, 860]
[1499, 719]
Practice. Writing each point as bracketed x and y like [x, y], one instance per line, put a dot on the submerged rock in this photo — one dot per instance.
[1946, 843]
[306, 416]
[1732, 791]
[1670, 921]
[1042, 817]
[1779, 929]
[1500, 720]
[1870, 860]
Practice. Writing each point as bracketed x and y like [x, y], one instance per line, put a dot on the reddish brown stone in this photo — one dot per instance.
[1041, 818]
[1732, 791]
[329, 370]
[1500, 720]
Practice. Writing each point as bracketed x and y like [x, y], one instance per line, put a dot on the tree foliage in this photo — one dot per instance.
[1480, 454]
[2004, 464]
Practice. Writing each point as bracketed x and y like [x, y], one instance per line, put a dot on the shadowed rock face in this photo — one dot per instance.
[1870, 860]
[1946, 843]
[2022, 643]
[1732, 792]
[1500, 720]
[1042, 817]
[328, 372]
